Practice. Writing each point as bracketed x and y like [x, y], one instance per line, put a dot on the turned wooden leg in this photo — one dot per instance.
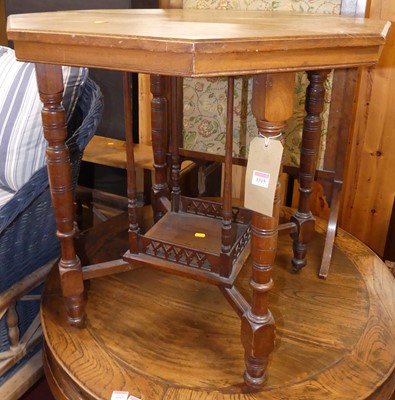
[50, 85]
[226, 229]
[176, 132]
[133, 231]
[303, 218]
[272, 106]
[160, 189]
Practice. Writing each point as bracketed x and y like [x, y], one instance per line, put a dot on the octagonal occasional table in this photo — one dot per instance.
[198, 239]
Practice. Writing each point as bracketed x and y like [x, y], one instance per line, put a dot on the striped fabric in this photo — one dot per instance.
[22, 144]
[5, 195]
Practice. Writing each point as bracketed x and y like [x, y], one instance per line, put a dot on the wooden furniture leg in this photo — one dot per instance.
[159, 126]
[3, 24]
[175, 143]
[133, 230]
[50, 85]
[303, 218]
[272, 106]
[226, 229]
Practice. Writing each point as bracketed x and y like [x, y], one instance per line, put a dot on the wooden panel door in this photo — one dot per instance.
[370, 185]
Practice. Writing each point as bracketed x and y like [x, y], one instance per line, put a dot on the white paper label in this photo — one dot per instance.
[261, 179]
[263, 167]
[119, 395]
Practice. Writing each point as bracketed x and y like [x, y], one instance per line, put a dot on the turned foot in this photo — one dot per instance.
[305, 226]
[258, 337]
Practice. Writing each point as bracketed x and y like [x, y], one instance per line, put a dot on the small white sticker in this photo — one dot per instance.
[119, 395]
[133, 398]
[261, 179]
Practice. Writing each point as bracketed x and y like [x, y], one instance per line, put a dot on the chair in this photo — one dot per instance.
[29, 246]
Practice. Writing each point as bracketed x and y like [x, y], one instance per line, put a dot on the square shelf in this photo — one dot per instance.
[191, 240]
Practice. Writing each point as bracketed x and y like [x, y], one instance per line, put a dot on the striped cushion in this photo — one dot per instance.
[22, 144]
[5, 195]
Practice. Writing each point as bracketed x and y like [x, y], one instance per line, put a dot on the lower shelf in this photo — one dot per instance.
[190, 245]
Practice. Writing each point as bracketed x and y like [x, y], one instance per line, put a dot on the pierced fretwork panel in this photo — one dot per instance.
[213, 210]
[178, 254]
[240, 245]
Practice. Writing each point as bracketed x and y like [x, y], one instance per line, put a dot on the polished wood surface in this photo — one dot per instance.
[159, 336]
[181, 42]
[3, 34]
[160, 139]
[112, 152]
[272, 106]
[143, 40]
[50, 86]
[311, 136]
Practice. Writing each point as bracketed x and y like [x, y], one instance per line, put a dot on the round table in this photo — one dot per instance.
[155, 335]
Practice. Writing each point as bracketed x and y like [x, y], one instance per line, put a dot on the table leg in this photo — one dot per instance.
[159, 123]
[175, 133]
[272, 106]
[50, 85]
[134, 230]
[311, 135]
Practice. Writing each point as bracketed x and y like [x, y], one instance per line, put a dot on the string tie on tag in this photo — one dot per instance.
[267, 138]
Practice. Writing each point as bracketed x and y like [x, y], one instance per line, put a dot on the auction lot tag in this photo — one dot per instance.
[263, 168]
[119, 395]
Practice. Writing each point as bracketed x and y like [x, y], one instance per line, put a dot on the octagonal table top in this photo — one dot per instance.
[196, 42]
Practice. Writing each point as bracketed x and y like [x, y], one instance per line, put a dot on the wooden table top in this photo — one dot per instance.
[196, 42]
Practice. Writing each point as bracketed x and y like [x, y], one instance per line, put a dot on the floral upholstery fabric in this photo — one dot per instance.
[205, 99]
[313, 6]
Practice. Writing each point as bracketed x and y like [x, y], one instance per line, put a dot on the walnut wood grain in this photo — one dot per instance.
[160, 132]
[196, 42]
[187, 43]
[175, 129]
[3, 24]
[226, 230]
[112, 153]
[130, 165]
[272, 105]
[311, 136]
[50, 86]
